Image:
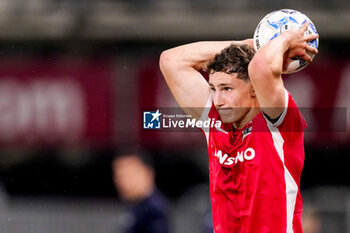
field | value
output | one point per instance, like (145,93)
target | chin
(227,120)
(232,118)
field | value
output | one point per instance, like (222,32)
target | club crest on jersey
(246,132)
(225,159)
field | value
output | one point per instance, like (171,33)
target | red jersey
(255,173)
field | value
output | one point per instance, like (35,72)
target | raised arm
(268,63)
(180,67)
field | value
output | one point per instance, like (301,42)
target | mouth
(225,111)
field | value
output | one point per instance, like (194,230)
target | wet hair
(233,59)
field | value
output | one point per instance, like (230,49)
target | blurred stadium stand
(152,19)
(75,77)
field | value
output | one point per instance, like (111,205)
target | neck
(253,111)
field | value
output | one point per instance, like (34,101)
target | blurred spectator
(208,223)
(311,220)
(133,177)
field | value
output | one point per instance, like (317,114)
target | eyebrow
(220,85)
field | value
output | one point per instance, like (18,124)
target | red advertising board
(55,101)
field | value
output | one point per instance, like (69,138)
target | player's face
(232,96)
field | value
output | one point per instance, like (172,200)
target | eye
(212,89)
(227,88)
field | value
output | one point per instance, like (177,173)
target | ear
(251,90)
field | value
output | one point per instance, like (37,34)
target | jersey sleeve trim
(206,110)
(205,116)
(283,114)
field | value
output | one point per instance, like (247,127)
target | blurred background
(75,77)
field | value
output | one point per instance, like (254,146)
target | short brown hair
(233,59)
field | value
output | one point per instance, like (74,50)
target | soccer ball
(273,24)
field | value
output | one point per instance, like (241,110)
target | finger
(305,26)
(307,57)
(311,49)
(311,37)
(205,66)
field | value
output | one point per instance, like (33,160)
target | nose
(218,99)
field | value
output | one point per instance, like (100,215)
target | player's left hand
(298,43)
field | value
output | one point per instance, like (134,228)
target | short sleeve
(205,116)
(291,120)
(206,110)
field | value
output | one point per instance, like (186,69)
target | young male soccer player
(256,157)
